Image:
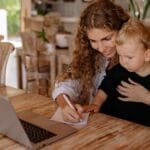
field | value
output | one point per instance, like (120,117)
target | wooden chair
(1,37)
(65,59)
(5,49)
(36,68)
(63,62)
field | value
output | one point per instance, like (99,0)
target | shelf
(36,23)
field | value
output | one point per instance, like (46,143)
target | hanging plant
(146,8)
(135,9)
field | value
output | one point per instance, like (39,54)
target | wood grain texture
(10,91)
(102,132)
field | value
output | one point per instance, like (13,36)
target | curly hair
(100,14)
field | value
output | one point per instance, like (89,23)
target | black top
(134,111)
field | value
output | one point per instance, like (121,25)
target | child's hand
(91,108)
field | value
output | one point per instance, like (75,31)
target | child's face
(132,55)
(103,41)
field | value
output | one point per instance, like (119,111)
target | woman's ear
(147,55)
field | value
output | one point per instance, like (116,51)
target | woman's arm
(71,89)
(134,92)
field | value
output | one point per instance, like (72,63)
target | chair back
(29,52)
(65,59)
(1,37)
(35,71)
(29,43)
(5,49)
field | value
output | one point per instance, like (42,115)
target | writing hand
(72,115)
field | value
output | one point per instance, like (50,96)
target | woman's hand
(91,108)
(72,115)
(133,92)
(69,114)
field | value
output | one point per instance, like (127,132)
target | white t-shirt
(72,87)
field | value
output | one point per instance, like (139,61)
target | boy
(133,48)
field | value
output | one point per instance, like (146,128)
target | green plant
(135,9)
(51,25)
(42,35)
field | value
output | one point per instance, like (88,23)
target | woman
(94,53)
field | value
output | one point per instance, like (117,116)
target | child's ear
(147,55)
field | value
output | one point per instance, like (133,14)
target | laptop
(30,129)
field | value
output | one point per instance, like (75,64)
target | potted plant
(136,11)
(51,26)
(42,35)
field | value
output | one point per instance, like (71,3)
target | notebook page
(58,117)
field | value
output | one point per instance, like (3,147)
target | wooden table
(10,91)
(102,132)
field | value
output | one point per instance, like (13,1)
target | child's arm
(97,102)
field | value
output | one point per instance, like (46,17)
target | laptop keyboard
(35,133)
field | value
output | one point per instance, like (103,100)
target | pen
(69,103)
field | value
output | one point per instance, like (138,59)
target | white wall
(3,23)
(69,9)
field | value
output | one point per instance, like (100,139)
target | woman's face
(103,41)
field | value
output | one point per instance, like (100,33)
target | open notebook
(58,117)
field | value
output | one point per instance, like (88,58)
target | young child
(133,48)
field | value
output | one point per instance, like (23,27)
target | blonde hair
(100,14)
(134,29)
